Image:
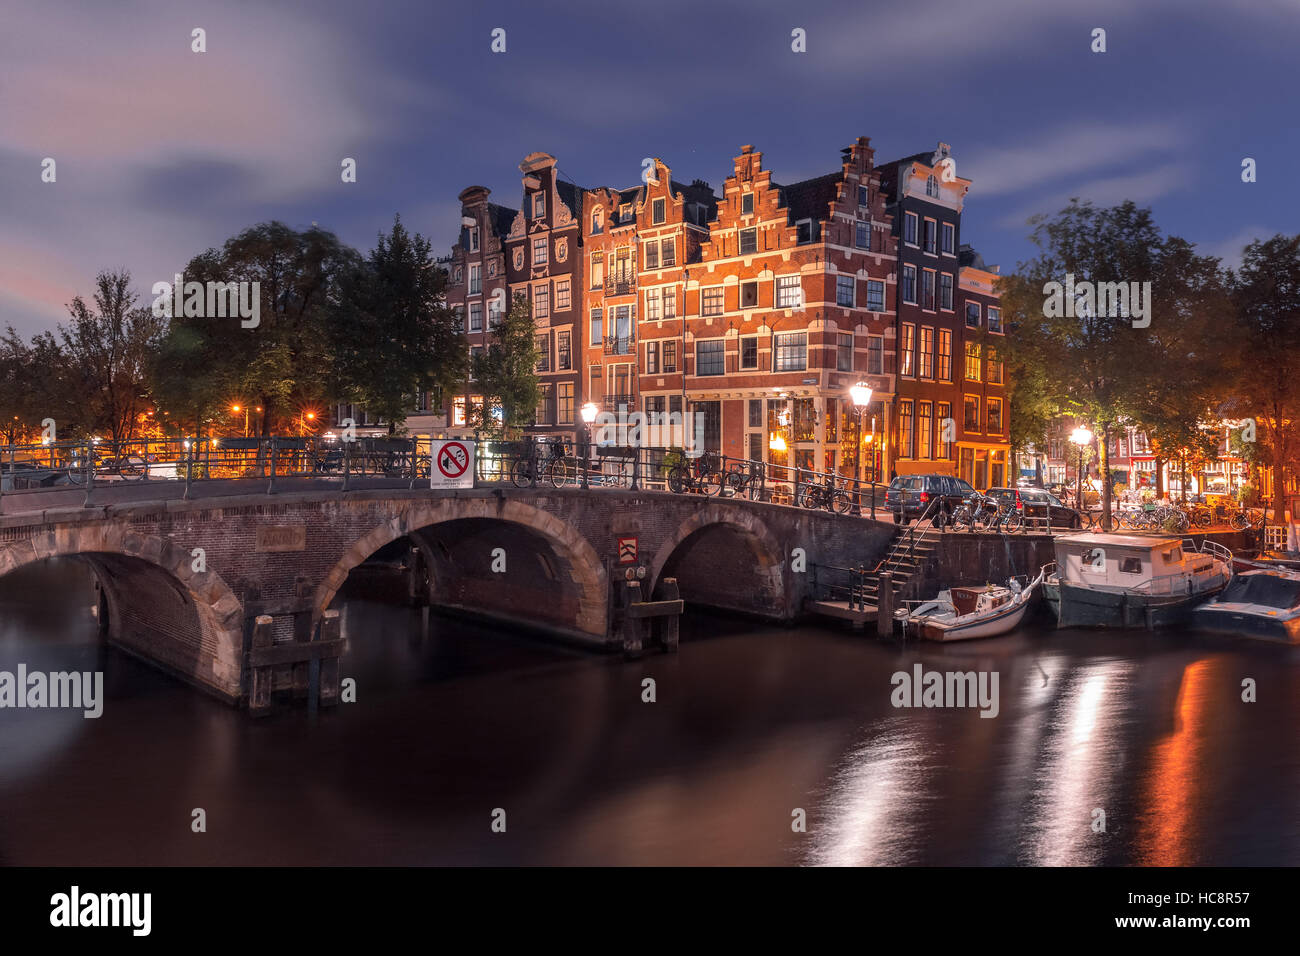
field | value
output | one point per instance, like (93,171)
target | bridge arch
(420,519)
(722,546)
(160,608)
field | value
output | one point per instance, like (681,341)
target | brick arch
(588,572)
(215,660)
(769,553)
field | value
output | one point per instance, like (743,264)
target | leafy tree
(506,373)
(391,335)
(1266,291)
(108,352)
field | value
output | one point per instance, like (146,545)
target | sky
(162,152)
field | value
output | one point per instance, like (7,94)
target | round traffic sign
(453,459)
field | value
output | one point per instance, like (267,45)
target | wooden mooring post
(259,697)
(885,605)
(323,649)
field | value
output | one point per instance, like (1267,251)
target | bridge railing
(101,463)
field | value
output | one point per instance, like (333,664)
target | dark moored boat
(1264,604)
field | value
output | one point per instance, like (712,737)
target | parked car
(1037,504)
(908,496)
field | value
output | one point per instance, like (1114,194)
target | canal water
(750,724)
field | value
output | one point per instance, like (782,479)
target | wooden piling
(633,642)
(259,698)
(670,625)
(885,605)
(329,630)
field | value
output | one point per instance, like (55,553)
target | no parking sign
(453,464)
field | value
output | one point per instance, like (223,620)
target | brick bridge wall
(560,549)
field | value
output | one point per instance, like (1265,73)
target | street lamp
(235,409)
(589,412)
(1082,437)
(861,395)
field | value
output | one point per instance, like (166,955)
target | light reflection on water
(751,723)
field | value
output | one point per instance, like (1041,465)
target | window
(597,222)
(789,292)
(597,270)
(971,421)
(458,411)
(545,413)
(875,355)
(657,212)
(711,301)
(625,212)
(456,275)
(652,305)
(946,431)
(1128,565)
(931,186)
(790,352)
(710,357)
(945,355)
(458,317)
(844,291)
(749,295)
(668,252)
(749,351)
(972,315)
(862,235)
(875,295)
(755,413)
(539,251)
(906,448)
(995,319)
(747,204)
(564,357)
(994,416)
(541,302)
(945,291)
(931,228)
(652,255)
(562,299)
(972,362)
(862,196)
(995,368)
(670,303)
(670,356)
(844,352)
(927,289)
(652,358)
(543,343)
(949,238)
(908,350)
(909,284)
(496,309)
(926,364)
(476,316)
(748,241)
(909,228)
(924,429)
(475,280)
(566,404)
(597,327)
(539,205)
(473,238)
(803,231)
(597,381)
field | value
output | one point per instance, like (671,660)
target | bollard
(885,605)
(259,698)
(329,630)
(671,624)
(633,644)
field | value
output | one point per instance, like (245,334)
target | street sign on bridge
(452,464)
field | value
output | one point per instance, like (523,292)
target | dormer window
(597,222)
(803,231)
(932,186)
(539,205)
(625,212)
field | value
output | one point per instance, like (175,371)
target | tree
(16,381)
(506,373)
(109,351)
(391,335)
(1266,290)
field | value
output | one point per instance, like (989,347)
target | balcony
(620,345)
(620,285)
(614,402)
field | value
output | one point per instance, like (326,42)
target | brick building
(982,449)
(788,307)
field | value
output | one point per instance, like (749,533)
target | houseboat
(1264,604)
(1132,580)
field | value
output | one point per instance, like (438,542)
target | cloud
(1142,187)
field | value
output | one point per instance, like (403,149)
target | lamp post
(236,410)
(1081,436)
(861,395)
(589,412)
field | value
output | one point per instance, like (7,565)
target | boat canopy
(1263,588)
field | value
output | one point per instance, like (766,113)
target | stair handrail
(910,536)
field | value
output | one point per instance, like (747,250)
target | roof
(570,195)
(810,198)
(501,218)
(1146,542)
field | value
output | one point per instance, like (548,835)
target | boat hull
(989,627)
(1090,607)
(1227,620)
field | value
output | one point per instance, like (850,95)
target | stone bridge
(182,581)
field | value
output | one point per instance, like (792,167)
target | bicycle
(702,477)
(1006,517)
(1244,518)
(557,470)
(826,495)
(747,482)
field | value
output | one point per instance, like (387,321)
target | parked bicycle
(557,470)
(701,476)
(746,481)
(826,494)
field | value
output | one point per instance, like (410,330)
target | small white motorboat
(960,614)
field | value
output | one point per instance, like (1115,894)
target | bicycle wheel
(1012,522)
(560,472)
(1239,521)
(736,481)
(711,483)
(841,503)
(961,516)
(520,474)
(132,468)
(1184,522)
(678,480)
